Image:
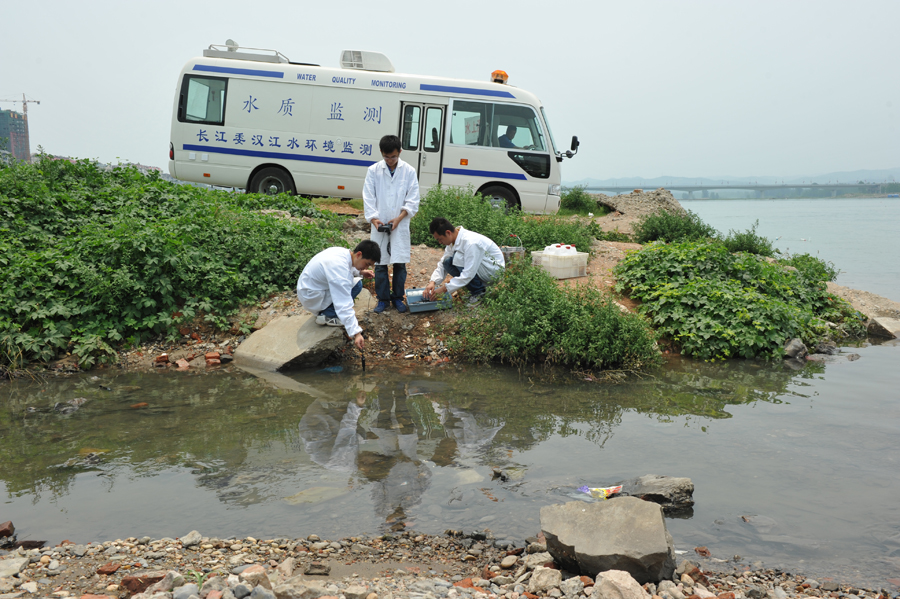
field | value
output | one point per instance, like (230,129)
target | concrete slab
(294,341)
(881,326)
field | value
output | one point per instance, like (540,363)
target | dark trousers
(329,311)
(383,287)
(475,286)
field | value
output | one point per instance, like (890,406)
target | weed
(812,267)
(91,257)
(526,318)
(577,200)
(664,226)
(748,241)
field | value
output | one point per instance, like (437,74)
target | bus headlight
(554,190)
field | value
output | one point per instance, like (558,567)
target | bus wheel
(499,197)
(271,181)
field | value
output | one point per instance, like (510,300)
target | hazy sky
(715,88)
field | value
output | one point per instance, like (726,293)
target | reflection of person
(506,139)
(330,443)
(470,258)
(400,478)
(464,436)
(327,285)
(391,195)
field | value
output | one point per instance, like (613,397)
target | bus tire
(271,181)
(497,192)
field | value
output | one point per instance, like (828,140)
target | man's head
(510,132)
(366,255)
(390,150)
(442,231)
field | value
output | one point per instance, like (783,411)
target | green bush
(664,226)
(527,318)
(578,200)
(812,268)
(463,207)
(90,257)
(748,241)
(717,305)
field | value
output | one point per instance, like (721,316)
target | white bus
(251,119)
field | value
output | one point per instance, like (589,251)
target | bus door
(422,139)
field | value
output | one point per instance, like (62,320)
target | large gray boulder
(623,533)
(675,494)
(295,341)
(881,326)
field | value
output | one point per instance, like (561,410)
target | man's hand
(429,290)
(396,222)
(359,342)
(369,274)
(377,222)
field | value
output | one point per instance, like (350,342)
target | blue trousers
(329,311)
(475,286)
(383,290)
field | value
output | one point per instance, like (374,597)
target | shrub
(748,241)
(812,268)
(527,318)
(91,257)
(578,200)
(664,226)
(718,305)
(463,207)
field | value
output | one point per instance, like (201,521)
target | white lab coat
(328,279)
(384,197)
(472,253)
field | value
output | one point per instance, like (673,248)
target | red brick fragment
(214,595)
(726,595)
(213,355)
(196,337)
(530,595)
(139,584)
(517,551)
(162,358)
(107,569)
(182,363)
(143,404)
(702,551)
(698,576)
(465,583)
(7,529)
(212,362)
(89,596)
(587,581)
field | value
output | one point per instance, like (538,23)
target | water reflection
(393,433)
(343,454)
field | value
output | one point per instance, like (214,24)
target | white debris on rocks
(642,203)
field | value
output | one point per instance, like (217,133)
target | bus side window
(202,100)
(409,140)
(433,128)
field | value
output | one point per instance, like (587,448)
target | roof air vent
(366,61)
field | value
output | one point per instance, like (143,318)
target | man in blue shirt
(506,140)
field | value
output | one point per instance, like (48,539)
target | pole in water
(363,356)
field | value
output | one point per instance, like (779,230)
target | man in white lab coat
(330,282)
(391,198)
(470,258)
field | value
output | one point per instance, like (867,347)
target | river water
(797,469)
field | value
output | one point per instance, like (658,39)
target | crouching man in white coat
(470,258)
(330,282)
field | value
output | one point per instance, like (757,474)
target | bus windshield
(549,130)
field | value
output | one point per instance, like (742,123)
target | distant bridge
(760,189)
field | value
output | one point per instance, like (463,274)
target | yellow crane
(24,104)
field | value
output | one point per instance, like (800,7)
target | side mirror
(574,150)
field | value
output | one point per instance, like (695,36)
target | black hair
(511,127)
(441,226)
(389,143)
(369,249)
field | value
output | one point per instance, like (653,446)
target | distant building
(14,135)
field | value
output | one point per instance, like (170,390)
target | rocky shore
(407,565)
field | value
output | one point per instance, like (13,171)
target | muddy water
(791,468)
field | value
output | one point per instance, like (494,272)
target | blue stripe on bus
(233,71)
(493,174)
(278,155)
(464,90)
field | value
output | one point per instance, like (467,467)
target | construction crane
(24,104)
